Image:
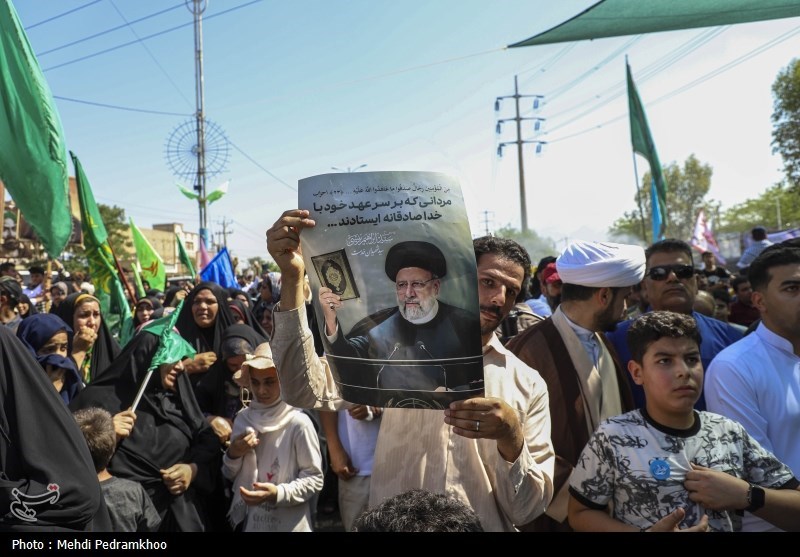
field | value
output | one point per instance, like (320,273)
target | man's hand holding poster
(393,275)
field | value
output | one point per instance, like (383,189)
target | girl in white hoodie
(274,458)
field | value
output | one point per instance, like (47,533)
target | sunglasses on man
(661,272)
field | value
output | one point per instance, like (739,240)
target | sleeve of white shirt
(525,486)
(309,464)
(306,379)
(731,392)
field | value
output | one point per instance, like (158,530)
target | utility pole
(225,231)
(197,7)
(537,125)
(486,221)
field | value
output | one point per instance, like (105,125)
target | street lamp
(359,167)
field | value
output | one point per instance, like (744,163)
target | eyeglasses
(415,285)
(662,272)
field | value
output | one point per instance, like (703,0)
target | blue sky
(303,86)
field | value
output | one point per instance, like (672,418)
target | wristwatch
(755,498)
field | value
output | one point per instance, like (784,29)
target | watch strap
(755,498)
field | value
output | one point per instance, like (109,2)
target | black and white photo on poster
(395,288)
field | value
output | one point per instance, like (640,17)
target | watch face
(755,498)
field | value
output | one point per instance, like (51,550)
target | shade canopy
(614,18)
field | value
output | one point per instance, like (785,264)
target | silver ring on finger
(477,425)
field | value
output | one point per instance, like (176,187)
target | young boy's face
(671,375)
(264,385)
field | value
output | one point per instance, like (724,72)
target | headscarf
(233,292)
(238,307)
(105,348)
(154,302)
(31,306)
(205,340)
(34,332)
(41,446)
(210,389)
(169,296)
(274,280)
(170,428)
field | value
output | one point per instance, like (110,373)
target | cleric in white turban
(601,264)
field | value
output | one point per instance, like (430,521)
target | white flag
(703,238)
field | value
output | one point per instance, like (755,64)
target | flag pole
(142,387)
(639,198)
(123,278)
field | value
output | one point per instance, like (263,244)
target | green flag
(643,144)
(172,347)
(137,279)
(152,266)
(217,193)
(108,288)
(33,156)
(187,193)
(186,261)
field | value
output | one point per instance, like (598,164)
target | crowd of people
(624,389)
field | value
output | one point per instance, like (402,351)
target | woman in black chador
(47,478)
(171,450)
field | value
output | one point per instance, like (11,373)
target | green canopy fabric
(614,18)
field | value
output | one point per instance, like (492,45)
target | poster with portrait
(394,283)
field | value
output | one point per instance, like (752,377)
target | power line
(255,162)
(164,32)
(107,31)
(733,63)
(73,10)
(647,72)
(565,87)
(117,107)
(251,233)
(163,71)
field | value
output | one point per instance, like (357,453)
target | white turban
(601,264)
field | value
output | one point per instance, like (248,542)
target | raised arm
(306,379)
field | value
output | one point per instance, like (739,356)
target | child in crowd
(667,467)
(129,506)
(274,459)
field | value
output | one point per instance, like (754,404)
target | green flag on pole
(151,264)
(643,144)
(108,288)
(33,156)
(137,280)
(172,347)
(185,260)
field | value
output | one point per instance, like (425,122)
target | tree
(536,245)
(786,120)
(687,187)
(763,210)
(117,227)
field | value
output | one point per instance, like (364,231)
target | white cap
(87,287)
(601,264)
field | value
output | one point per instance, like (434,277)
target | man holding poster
(492,451)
